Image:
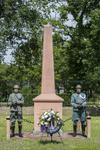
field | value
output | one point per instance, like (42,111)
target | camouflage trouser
(79,115)
(15,115)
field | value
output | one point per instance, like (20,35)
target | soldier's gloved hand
(75,105)
(80,106)
(14,102)
(84,104)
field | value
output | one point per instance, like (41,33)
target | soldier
(16,102)
(78,102)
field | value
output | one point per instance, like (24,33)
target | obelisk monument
(47,99)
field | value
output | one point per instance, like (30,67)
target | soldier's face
(78,90)
(16,90)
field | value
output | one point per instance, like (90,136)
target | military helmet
(16,86)
(78,86)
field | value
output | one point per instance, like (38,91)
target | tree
(82,56)
(76,39)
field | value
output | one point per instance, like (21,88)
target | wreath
(50,121)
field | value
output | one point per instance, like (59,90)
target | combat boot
(20,131)
(12,131)
(74,130)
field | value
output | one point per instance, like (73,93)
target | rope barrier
(67,119)
(28,121)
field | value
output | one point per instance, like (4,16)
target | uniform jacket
(78,101)
(16,101)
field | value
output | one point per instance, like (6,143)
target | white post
(8,127)
(88,126)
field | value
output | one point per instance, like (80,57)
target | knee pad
(12,124)
(75,122)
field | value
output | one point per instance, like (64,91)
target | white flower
(52,112)
(49,119)
(42,123)
(46,123)
(46,116)
(45,113)
(49,114)
(57,114)
(43,117)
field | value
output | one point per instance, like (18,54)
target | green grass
(69,144)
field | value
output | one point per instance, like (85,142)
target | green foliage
(76,44)
(28,96)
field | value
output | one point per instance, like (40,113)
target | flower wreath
(49,119)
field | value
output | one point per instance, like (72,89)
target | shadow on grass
(49,142)
(78,134)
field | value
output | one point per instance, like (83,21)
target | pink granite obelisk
(47,99)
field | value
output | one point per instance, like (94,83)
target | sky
(8,57)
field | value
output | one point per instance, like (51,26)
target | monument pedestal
(47,99)
(45,102)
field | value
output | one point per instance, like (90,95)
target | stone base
(44,102)
(44,138)
(38,136)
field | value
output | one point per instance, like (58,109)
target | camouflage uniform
(78,102)
(16,102)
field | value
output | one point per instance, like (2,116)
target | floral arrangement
(48,119)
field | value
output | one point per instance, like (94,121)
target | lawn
(69,144)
